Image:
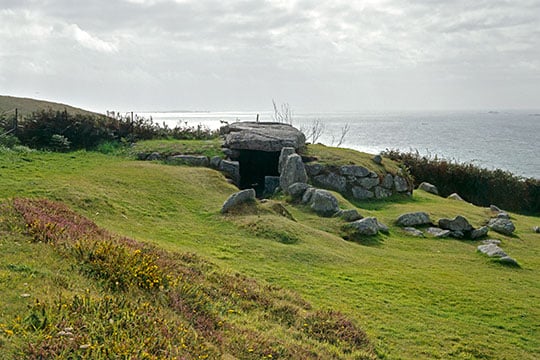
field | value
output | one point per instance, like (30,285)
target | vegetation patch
(477,185)
(155,304)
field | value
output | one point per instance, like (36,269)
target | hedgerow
(477,185)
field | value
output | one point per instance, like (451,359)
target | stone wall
(357,182)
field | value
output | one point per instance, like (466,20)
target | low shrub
(166,305)
(60,130)
(477,185)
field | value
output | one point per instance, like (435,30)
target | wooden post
(16,122)
(257,117)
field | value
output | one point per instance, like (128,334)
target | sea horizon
(492,139)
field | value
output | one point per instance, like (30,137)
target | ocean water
(507,140)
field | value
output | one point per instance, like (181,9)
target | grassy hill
(26,106)
(415,297)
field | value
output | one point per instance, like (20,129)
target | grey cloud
(335,50)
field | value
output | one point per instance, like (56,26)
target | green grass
(416,298)
(340,156)
(208,148)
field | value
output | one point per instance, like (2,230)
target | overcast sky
(239,55)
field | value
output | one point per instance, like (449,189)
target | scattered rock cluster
(491,248)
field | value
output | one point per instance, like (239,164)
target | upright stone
(283,155)
(292,172)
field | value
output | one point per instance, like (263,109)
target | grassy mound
(414,297)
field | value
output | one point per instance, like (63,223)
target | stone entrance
(255,165)
(256,146)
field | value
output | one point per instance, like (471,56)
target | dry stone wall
(357,181)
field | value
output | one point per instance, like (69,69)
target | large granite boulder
(502,226)
(263,136)
(364,227)
(331,181)
(459,223)
(293,171)
(413,219)
(360,193)
(323,202)
(238,198)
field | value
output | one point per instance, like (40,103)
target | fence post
(16,122)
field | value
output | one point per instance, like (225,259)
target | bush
(54,130)
(477,185)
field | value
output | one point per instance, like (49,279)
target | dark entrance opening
(254,166)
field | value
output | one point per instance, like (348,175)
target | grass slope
(415,297)
(26,106)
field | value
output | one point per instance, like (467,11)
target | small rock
(238,198)
(350,215)
(502,226)
(438,232)
(383,228)
(478,233)
(494,208)
(428,188)
(413,231)
(354,170)
(377,159)
(313,169)
(190,160)
(368,182)
(457,234)
(492,250)
(306,198)
(491,241)
(25,295)
(455,196)
(271,183)
(154,156)
(507,260)
(502,215)
(413,219)
(297,190)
